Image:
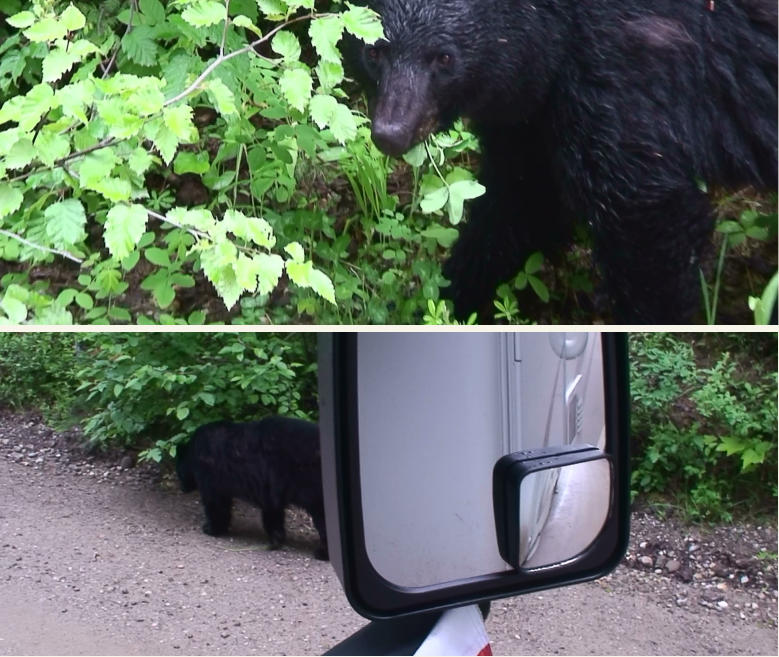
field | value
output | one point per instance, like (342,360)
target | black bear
(615,112)
(271,464)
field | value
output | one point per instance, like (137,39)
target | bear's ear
(463,467)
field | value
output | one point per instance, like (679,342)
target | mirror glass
(561,511)
(435,412)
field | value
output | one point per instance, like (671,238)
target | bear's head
(420,72)
(490,60)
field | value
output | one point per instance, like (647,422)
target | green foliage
(151,390)
(704,426)
(750,225)
(101,100)
(37,370)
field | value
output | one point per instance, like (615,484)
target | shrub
(150,391)
(704,421)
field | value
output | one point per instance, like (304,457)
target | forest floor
(99,556)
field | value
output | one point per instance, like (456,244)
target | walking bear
(271,464)
(615,113)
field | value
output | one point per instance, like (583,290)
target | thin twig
(223,58)
(107,68)
(57,163)
(224,29)
(40,247)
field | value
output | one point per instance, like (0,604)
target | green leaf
(124,226)
(539,288)
(140,160)
(179,120)
(534,262)
(245,22)
(322,285)
(202,13)
(363,23)
(73,19)
(200,218)
(121,123)
(252,229)
(50,147)
(750,457)
(273,9)
(20,155)
(157,256)
(10,199)
(299,272)
(46,29)
(730,445)
(56,63)
(218,262)
(13,303)
(66,223)
(295,251)
(325,32)
(75,98)
(221,96)
(166,142)
(140,46)
(187,162)
(296,86)
(435,200)
(153,10)
(269,269)
(329,74)
(287,45)
(441,234)
(342,124)
(84,300)
(21,20)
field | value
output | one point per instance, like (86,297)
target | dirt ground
(100,557)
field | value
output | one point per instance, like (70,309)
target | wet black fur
(610,112)
(271,464)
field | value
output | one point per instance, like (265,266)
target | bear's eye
(373,53)
(444,60)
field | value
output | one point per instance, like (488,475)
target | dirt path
(96,559)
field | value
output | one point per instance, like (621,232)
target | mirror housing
(376,412)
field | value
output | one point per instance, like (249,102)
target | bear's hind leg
(273,521)
(318,517)
(650,257)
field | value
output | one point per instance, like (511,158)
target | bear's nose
(391,138)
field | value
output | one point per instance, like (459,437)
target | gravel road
(101,559)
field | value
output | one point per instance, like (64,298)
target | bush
(37,370)
(157,156)
(704,421)
(150,391)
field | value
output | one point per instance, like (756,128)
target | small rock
(646,561)
(672,565)
(722,604)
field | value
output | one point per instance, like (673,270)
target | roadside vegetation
(704,414)
(204,161)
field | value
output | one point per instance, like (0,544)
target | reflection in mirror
(561,511)
(435,412)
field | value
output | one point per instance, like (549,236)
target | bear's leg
(273,521)
(318,517)
(518,214)
(649,253)
(217,509)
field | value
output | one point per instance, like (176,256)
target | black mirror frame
(374,597)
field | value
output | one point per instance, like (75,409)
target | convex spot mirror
(461,467)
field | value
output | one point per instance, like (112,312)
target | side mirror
(464,467)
